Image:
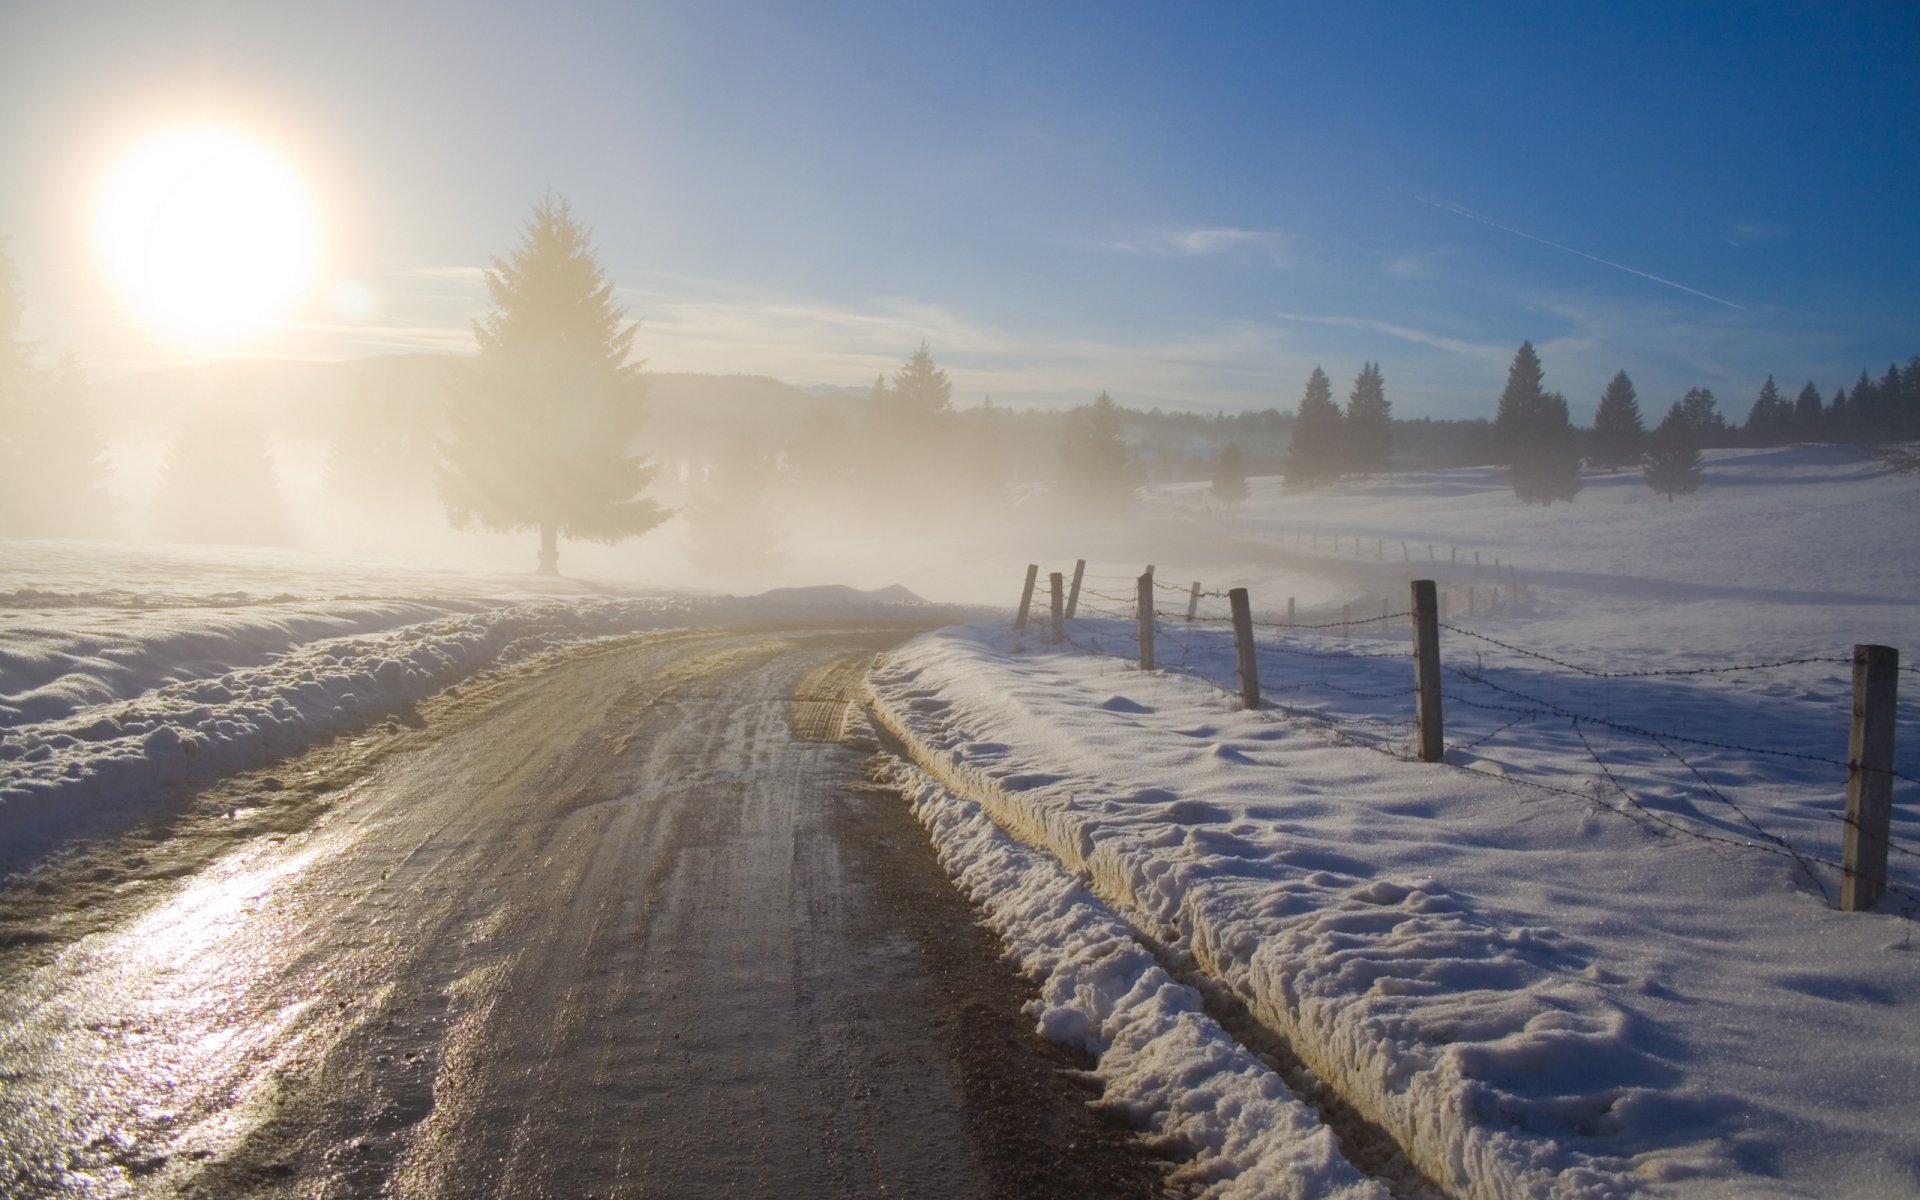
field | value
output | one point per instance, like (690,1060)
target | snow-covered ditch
(1619,982)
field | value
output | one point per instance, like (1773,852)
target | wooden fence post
(1383,610)
(1876,675)
(1059,588)
(1476,560)
(1346,619)
(1469,600)
(1243,647)
(1404,556)
(1443,606)
(1289,610)
(1426,670)
(1144,590)
(1430,557)
(1193,600)
(1026,597)
(1073,594)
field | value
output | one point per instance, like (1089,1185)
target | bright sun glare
(208,234)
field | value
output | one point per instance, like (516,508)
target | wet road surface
(631,925)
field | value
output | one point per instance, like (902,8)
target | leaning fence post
(1404,556)
(1193,600)
(1026,597)
(1145,592)
(1243,647)
(1876,674)
(1426,670)
(1058,586)
(1073,594)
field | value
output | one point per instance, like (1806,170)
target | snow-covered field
(128,672)
(1594,953)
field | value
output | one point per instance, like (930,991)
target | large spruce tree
(1315,454)
(543,422)
(1618,437)
(1369,424)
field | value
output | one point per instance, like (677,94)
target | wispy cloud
(1199,241)
(1481,351)
(1458,211)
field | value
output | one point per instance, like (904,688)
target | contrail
(1456,210)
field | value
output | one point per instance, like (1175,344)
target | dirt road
(628,925)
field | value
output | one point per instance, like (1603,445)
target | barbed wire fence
(1541,721)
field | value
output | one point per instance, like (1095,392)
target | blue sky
(1185,205)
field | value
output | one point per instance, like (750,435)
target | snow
(130,672)
(1572,960)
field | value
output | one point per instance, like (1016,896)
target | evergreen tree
(1522,397)
(1703,414)
(62,471)
(1369,424)
(1229,475)
(1534,436)
(1808,414)
(1618,436)
(542,424)
(1315,453)
(1673,455)
(733,530)
(18,382)
(1771,421)
(1549,465)
(220,482)
(1093,455)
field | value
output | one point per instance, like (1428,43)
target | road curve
(631,926)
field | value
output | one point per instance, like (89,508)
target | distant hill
(687,414)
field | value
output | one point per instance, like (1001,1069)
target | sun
(207,234)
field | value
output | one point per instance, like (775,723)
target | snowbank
(1573,960)
(127,673)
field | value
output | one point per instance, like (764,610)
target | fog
(768,485)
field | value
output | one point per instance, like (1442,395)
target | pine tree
(63,470)
(220,481)
(1369,424)
(1549,466)
(1229,475)
(1703,414)
(1093,455)
(1618,437)
(1521,397)
(18,381)
(733,531)
(1534,435)
(1315,452)
(1771,420)
(1673,455)
(1808,414)
(541,427)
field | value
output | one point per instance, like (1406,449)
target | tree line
(539,432)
